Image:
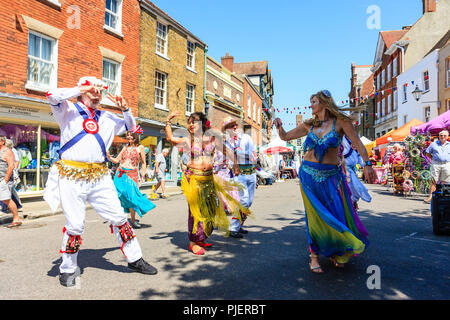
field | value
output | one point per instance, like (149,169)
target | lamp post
(417,93)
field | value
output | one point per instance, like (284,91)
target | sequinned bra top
(320,145)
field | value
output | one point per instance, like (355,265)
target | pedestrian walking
(160,171)
(333,226)
(204,191)
(439,153)
(15,176)
(128,179)
(82,175)
(7,181)
(244,150)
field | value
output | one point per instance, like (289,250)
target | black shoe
(68,279)
(243,231)
(136,224)
(142,266)
(236,235)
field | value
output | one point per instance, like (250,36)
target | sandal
(14,224)
(337,264)
(316,269)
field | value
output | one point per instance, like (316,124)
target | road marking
(411,236)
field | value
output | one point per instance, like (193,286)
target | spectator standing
(439,152)
(160,171)
(6,181)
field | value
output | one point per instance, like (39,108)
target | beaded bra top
(320,145)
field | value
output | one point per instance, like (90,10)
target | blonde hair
(327,100)
(9,143)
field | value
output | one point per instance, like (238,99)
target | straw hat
(227,121)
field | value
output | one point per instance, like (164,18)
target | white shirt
(71,123)
(244,148)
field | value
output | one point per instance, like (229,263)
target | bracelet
(126,110)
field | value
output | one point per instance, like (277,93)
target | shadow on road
(272,264)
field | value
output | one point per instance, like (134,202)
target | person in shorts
(439,152)
(160,171)
(7,181)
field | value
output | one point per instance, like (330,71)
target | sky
(309,45)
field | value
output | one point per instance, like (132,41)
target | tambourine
(415,174)
(406,174)
(407,185)
(425,174)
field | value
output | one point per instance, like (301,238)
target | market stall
(434,126)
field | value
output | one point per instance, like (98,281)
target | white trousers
(246,196)
(103,198)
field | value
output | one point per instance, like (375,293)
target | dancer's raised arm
(298,132)
(169,136)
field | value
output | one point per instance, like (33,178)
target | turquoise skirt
(129,195)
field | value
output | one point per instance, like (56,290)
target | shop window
(33,145)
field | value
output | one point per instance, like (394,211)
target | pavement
(34,208)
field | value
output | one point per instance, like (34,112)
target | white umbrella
(365,141)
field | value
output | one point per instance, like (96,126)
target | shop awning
(434,126)
(119,140)
(399,134)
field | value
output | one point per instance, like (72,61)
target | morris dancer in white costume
(81,173)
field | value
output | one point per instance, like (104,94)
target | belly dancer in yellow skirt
(205,192)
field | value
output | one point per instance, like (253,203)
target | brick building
(362,95)
(398,51)
(171,78)
(47,44)
(224,93)
(387,66)
(260,80)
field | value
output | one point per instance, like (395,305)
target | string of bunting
(300,110)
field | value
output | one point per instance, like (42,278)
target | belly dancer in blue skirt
(333,226)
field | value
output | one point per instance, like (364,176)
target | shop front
(154,140)
(30,125)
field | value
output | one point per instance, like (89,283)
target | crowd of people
(218,181)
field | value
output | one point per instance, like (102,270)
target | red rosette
(90,126)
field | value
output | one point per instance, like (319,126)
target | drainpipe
(205,50)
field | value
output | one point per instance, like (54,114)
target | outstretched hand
(278,123)
(173,114)
(119,101)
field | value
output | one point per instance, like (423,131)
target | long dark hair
(136,136)
(199,116)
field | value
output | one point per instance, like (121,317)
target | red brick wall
(78,49)
(387,59)
(248,90)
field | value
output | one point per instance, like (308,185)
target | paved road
(271,263)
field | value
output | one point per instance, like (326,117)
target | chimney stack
(228,62)
(429,6)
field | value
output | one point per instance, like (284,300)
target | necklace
(320,122)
